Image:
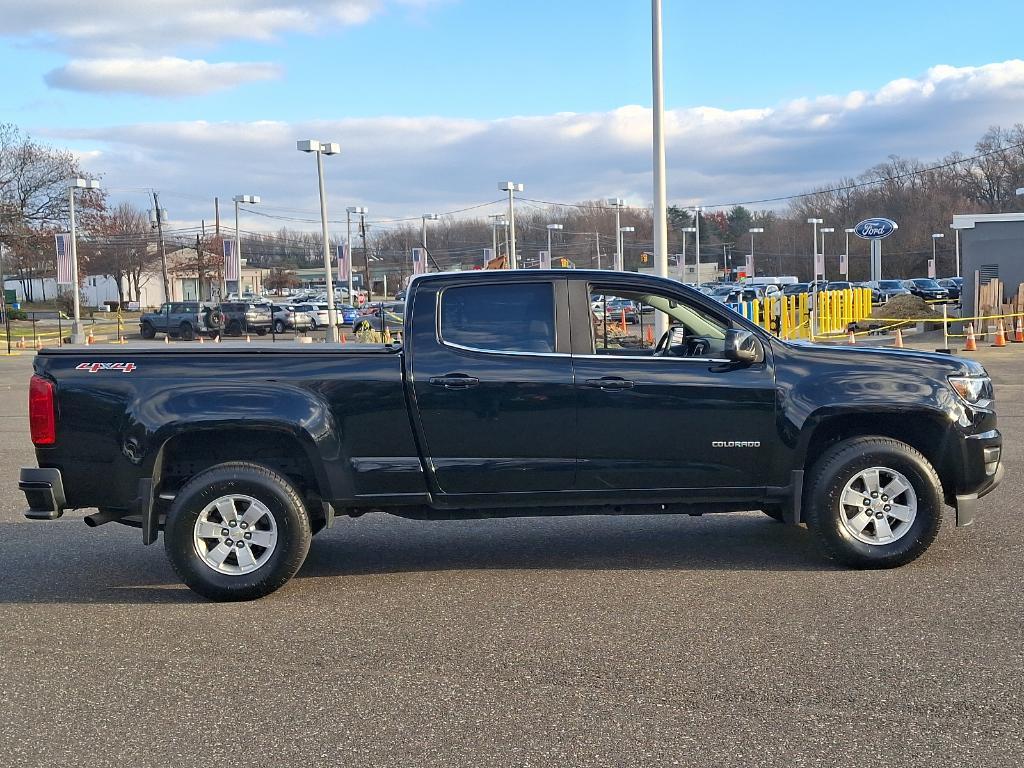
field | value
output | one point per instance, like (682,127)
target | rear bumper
(44,491)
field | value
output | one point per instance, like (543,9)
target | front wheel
(237,531)
(147,331)
(186,332)
(874,502)
(279,326)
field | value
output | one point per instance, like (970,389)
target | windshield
(925,283)
(889,285)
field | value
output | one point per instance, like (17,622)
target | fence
(52,329)
(809,316)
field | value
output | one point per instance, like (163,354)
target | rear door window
(516,317)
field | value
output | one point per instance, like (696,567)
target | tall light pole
(320,148)
(427,217)
(696,274)
(617,203)
(358,211)
(622,244)
(660,194)
(936,236)
(511,187)
(815,222)
(77,337)
(240,200)
(849,231)
(753,231)
(552,228)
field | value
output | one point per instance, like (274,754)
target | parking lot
(629,641)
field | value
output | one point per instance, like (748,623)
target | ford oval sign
(875,229)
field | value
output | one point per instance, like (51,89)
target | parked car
(926,288)
(838,285)
(184,319)
(288,318)
(613,309)
(241,317)
(794,288)
(883,290)
(745,293)
(954,285)
(493,407)
(393,313)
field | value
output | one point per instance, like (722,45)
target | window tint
(503,318)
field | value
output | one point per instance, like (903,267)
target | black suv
(246,317)
(926,288)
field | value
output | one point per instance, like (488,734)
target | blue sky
(92,75)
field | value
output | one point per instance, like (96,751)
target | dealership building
(991,247)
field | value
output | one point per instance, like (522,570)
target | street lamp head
(815,221)
(627,229)
(756,230)
(849,230)
(430,217)
(330,148)
(824,230)
(688,229)
(252,199)
(511,186)
(937,235)
(616,202)
(357,210)
(79,183)
(555,226)
(309,145)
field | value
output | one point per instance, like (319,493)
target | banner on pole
(343,262)
(545,259)
(488,256)
(819,265)
(64,267)
(844,265)
(230,262)
(749,262)
(419,261)
(931,268)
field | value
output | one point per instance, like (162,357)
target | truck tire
(234,328)
(218,517)
(279,326)
(147,331)
(874,502)
(187,332)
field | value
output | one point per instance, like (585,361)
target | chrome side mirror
(742,346)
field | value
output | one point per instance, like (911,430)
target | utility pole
(597,248)
(158,214)
(216,211)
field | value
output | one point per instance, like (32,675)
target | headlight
(973,389)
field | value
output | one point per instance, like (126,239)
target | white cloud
(116,28)
(406,165)
(166,76)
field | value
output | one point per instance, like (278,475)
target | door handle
(610,384)
(454,381)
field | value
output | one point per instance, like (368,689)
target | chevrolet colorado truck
(509,395)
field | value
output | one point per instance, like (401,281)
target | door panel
(493,421)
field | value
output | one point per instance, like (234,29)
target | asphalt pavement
(724,640)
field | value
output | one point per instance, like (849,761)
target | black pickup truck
(511,395)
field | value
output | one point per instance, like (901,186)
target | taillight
(41,416)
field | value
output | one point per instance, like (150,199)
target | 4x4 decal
(97,367)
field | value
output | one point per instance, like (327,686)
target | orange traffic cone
(899,339)
(971,345)
(851,338)
(650,335)
(1018,331)
(201,341)
(167,339)
(248,339)
(1000,340)
(217,339)
(623,320)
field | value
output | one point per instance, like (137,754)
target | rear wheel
(237,531)
(261,331)
(279,326)
(186,331)
(874,503)
(234,328)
